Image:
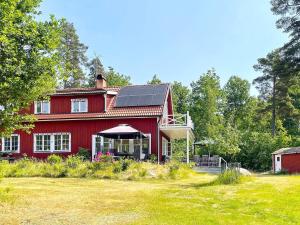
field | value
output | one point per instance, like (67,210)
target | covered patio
(122,141)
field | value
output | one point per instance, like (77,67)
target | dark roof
(283,151)
(142,95)
(78,91)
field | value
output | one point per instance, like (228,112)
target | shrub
(74,161)
(54,159)
(53,170)
(84,154)
(153,158)
(229,176)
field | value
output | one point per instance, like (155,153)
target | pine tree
(95,67)
(73,56)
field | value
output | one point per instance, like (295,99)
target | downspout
(105,99)
(158,138)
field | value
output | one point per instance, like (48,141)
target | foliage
(155,80)
(54,159)
(237,94)
(73,56)
(116,79)
(29,61)
(84,154)
(95,68)
(106,168)
(180,97)
(256,149)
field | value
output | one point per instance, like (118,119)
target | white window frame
(10,151)
(165,146)
(42,102)
(52,142)
(79,100)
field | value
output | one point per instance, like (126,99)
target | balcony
(177,120)
(179,127)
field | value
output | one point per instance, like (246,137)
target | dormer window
(79,105)
(42,107)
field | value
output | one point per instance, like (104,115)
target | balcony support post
(187,147)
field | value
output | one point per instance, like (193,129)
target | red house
(72,118)
(286,159)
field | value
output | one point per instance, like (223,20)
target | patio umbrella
(123,131)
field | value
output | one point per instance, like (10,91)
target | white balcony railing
(178,120)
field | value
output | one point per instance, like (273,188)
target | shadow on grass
(197,186)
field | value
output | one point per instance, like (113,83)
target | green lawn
(263,200)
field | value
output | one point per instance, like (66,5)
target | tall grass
(106,168)
(229,176)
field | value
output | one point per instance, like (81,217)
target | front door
(277,163)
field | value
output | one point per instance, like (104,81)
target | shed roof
(290,150)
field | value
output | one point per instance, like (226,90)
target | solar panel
(143,95)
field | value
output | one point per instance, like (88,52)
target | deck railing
(178,120)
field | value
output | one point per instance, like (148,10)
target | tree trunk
(274,107)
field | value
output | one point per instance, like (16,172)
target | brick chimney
(100,81)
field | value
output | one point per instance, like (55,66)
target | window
(11,144)
(58,142)
(42,107)
(165,145)
(278,158)
(79,105)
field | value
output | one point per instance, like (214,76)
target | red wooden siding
(82,131)
(62,104)
(290,163)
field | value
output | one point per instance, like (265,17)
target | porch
(122,141)
(179,126)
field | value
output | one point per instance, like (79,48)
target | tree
(180,97)
(95,66)
(73,56)
(205,99)
(29,61)
(114,78)
(289,23)
(237,94)
(274,85)
(155,80)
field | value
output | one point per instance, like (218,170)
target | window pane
(98,144)
(6,144)
(75,106)
(46,107)
(39,143)
(125,145)
(83,106)
(57,142)
(38,107)
(47,143)
(145,146)
(65,142)
(14,143)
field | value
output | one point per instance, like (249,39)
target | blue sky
(178,40)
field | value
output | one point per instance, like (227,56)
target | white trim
(44,101)
(150,139)
(3,144)
(79,108)
(165,141)
(112,92)
(95,118)
(52,142)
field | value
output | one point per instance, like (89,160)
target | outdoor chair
(204,160)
